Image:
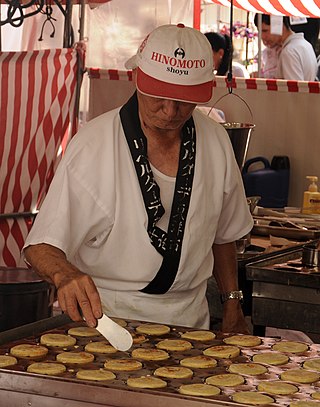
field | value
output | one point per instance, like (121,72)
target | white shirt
(94,212)
(297,60)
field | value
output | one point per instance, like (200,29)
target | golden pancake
(271,358)
(277,387)
(83,331)
(290,347)
(200,362)
(225,379)
(300,376)
(303,403)
(312,364)
(75,357)
(6,360)
(47,368)
(252,369)
(199,389)
(174,344)
(146,382)
(119,321)
(316,395)
(173,372)
(251,397)
(59,340)
(138,338)
(153,329)
(100,347)
(150,354)
(122,364)
(222,352)
(95,374)
(199,335)
(243,340)
(29,351)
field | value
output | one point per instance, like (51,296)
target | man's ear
(134,76)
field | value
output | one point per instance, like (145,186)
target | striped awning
(297,8)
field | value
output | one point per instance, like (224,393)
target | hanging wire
(229,75)
(48,13)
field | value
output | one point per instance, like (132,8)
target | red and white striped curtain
(296,8)
(37,117)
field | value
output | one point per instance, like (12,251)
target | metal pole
(259,43)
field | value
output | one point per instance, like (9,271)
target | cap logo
(179,53)
(177,64)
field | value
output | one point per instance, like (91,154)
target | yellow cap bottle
(311,198)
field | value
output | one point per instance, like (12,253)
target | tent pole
(196,14)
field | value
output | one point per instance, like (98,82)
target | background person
(297,59)
(221,50)
(148,199)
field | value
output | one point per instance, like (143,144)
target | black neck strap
(168,244)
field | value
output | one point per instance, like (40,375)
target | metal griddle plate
(17,384)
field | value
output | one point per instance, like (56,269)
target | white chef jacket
(94,212)
(297,60)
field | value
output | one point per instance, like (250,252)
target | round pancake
(146,382)
(198,362)
(83,331)
(290,347)
(199,389)
(271,358)
(150,354)
(153,329)
(29,351)
(173,372)
(225,379)
(47,368)
(303,403)
(100,347)
(75,357)
(6,360)
(299,376)
(252,369)
(243,340)
(174,344)
(277,387)
(222,352)
(59,340)
(122,364)
(119,321)
(95,374)
(138,338)
(198,335)
(312,364)
(251,397)
(316,395)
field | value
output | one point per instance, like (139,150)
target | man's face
(268,39)
(163,114)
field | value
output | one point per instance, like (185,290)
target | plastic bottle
(311,198)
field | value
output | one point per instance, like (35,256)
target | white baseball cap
(174,62)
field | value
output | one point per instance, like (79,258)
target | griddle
(285,294)
(20,388)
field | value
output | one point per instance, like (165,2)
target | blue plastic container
(270,182)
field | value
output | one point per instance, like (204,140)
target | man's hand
(77,293)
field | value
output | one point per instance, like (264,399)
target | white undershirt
(166,185)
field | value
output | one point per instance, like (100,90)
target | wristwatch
(232,295)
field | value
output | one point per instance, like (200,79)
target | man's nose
(170,107)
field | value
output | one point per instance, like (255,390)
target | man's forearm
(47,261)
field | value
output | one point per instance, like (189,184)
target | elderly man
(148,199)
(296,58)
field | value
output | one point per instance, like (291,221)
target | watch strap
(232,295)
